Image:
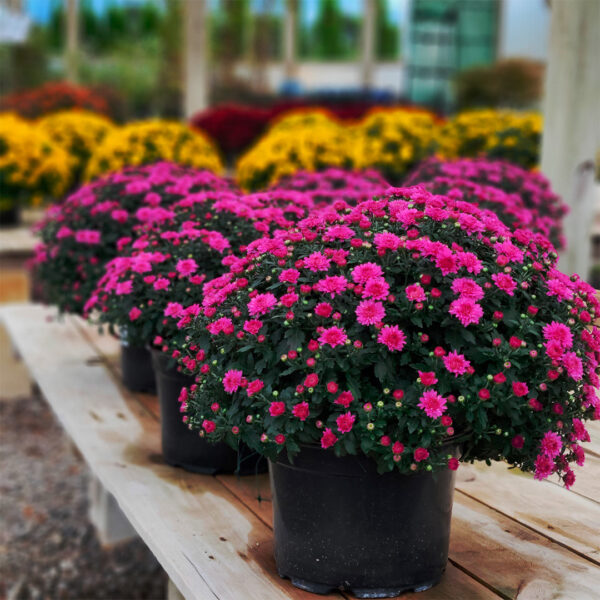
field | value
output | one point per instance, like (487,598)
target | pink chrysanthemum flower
(559,289)
(505,283)
(466,311)
(334,284)
(387,241)
(252,326)
(456,363)
(261,304)
(544,467)
(135,313)
(317,262)
(446,261)
(345,422)
(573,364)
(174,309)
(392,337)
(334,336)
(558,332)
(328,438)
(467,288)
(362,273)
(377,288)
(186,267)
(369,312)
(415,293)
(232,380)
(432,403)
(551,444)
(470,262)
(289,275)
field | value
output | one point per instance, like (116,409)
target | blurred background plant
(509,83)
(32,167)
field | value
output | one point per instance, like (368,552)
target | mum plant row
(365,339)
(390,140)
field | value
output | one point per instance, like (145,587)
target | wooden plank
(209,543)
(587,483)
(553,511)
(515,561)
(109,349)
(593,446)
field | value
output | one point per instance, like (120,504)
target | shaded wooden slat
(515,561)
(551,510)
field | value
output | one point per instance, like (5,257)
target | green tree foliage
(387,34)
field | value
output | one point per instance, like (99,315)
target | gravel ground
(48,547)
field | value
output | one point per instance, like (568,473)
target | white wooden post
(289,38)
(196,57)
(572,121)
(105,514)
(72,24)
(368,42)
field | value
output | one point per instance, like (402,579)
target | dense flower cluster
(508,207)
(392,328)
(333,185)
(146,142)
(546,208)
(394,141)
(139,290)
(309,141)
(82,234)
(78,132)
(143,288)
(54,96)
(32,166)
(497,134)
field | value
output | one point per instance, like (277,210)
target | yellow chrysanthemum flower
(302,141)
(504,134)
(154,140)
(31,164)
(394,140)
(78,132)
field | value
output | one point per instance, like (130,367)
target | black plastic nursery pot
(136,368)
(338,524)
(184,448)
(10,216)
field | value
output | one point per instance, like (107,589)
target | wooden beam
(572,121)
(196,57)
(368,43)
(289,38)
(72,36)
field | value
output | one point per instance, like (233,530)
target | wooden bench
(512,537)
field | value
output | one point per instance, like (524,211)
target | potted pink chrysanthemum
(367,353)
